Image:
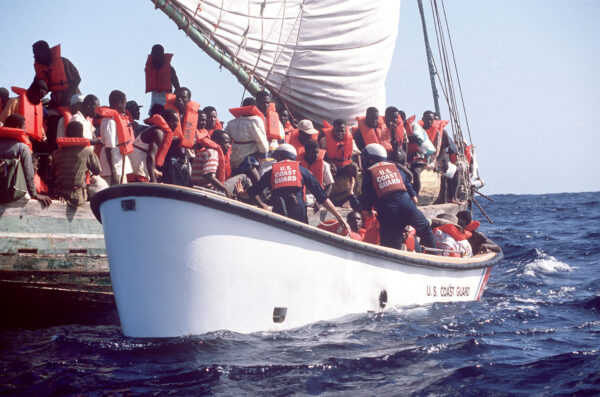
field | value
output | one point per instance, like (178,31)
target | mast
(429,59)
(185,23)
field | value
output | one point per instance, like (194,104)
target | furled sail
(325,59)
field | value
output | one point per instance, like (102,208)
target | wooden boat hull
(187,262)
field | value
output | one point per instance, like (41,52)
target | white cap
(288,150)
(77,98)
(375,149)
(307,127)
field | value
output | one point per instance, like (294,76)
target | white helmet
(285,151)
(375,151)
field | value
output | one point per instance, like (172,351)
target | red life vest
(218,126)
(468,154)
(386,178)
(295,141)
(437,125)
(272,123)
(316,168)
(70,141)
(17,134)
(187,134)
(380,134)
(246,111)
(65,111)
(333,226)
(34,114)
(371,225)
(472,226)
(54,75)
(339,152)
(161,153)
(124,130)
(224,166)
(286,173)
(40,185)
(410,240)
(203,139)
(454,232)
(158,79)
(287,129)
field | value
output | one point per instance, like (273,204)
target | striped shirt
(205,162)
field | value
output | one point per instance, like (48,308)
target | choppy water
(536,332)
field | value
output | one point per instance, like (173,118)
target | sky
(529,69)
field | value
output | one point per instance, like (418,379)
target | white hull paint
(180,267)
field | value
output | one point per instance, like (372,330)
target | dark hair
(41,45)
(311,143)
(90,98)
(15,120)
(218,135)
(115,97)
(402,115)
(262,94)
(339,121)
(74,129)
(390,110)
(372,109)
(249,102)
(464,218)
(3,93)
(427,113)
(209,109)
(158,49)
(180,89)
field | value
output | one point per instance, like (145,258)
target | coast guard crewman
(386,188)
(287,181)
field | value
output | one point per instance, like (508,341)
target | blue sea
(535,332)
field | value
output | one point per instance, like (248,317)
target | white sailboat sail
(325,59)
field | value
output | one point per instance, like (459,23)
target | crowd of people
(70,147)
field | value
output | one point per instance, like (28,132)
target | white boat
(184,261)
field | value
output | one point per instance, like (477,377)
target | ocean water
(535,332)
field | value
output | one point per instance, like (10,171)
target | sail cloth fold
(326,59)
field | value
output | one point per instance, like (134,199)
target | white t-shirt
(88,128)
(108,134)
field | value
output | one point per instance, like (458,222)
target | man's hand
(45,200)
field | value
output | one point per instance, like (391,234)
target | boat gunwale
(219,202)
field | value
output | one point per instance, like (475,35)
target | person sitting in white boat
(355,222)
(287,181)
(249,139)
(16,166)
(212,120)
(450,236)
(117,137)
(312,158)
(480,244)
(211,168)
(161,77)
(73,163)
(387,189)
(151,146)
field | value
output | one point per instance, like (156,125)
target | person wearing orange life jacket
(304,133)
(250,144)
(284,119)
(395,131)
(67,115)
(312,158)
(74,162)
(287,181)
(151,146)
(480,244)
(450,236)
(212,170)
(273,126)
(212,120)
(371,129)
(177,167)
(29,105)
(387,189)
(117,137)
(161,77)
(16,163)
(58,72)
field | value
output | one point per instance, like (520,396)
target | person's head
(76,103)
(428,119)
(285,151)
(263,100)
(157,55)
(171,118)
(182,97)
(436,116)
(41,52)
(284,116)
(202,120)
(355,221)
(74,130)
(3,94)
(90,103)
(249,101)
(374,153)
(36,91)
(372,117)
(391,115)
(306,131)
(402,115)
(311,151)
(157,108)
(134,109)
(222,139)
(464,218)
(339,129)
(211,117)
(15,120)
(117,101)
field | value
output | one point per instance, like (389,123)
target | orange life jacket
(224,166)
(371,225)
(380,134)
(272,123)
(246,111)
(338,152)
(70,141)
(454,232)
(54,75)
(317,166)
(295,141)
(286,173)
(218,126)
(472,226)
(124,130)
(386,178)
(333,226)
(34,114)
(287,129)
(158,79)
(17,134)
(437,125)
(203,138)
(468,155)
(187,134)
(161,153)
(65,111)
(410,240)
(40,185)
